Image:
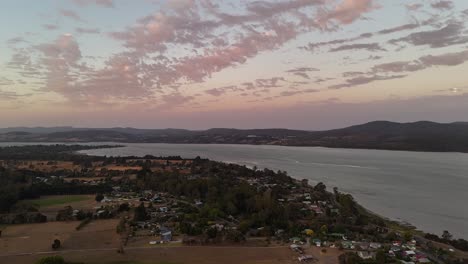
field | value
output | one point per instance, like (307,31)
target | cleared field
(41,165)
(119,168)
(139,262)
(172,255)
(33,238)
(47,201)
(97,243)
(50,205)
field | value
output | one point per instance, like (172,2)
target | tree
(65,214)
(324,229)
(140,213)
(235,236)
(309,232)
(56,244)
(446,235)
(99,197)
(320,187)
(212,232)
(381,257)
(122,226)
(407,236)
(124,207)
(349,258)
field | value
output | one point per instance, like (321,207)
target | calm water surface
(428,190)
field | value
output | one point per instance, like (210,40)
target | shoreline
(229,144)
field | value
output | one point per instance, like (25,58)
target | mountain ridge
(418,136)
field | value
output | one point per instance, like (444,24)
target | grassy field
(139,262)
(58,200)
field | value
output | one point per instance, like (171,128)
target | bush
(235,236)
(56,244)
(51,260)
(99,197)
(124,207)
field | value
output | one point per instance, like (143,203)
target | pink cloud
(350,10)
(414,6)
(207,41)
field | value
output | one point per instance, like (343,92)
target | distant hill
(420,136)
(417,136)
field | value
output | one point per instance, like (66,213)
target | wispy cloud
(104,3)
(88,30)
(451,34)
(442,4)
(360,46)
(70,14)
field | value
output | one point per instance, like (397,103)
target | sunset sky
(306,64)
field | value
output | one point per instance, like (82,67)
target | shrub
(99,197)
(51,260)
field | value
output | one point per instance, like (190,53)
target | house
(317,210)
(166,234)
(100,212)
(375,245)
(395,249)
(296,248)
(366,255)
(364,246)
(296,240)
(154,214)
(347,245)
(279,232)
(219,227)
(305,258)
(424,260)
(142,224)
(317,242)
(337,235)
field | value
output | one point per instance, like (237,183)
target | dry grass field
(173,255)
(41,165)
(30,238)
(50,205)
(97,243)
